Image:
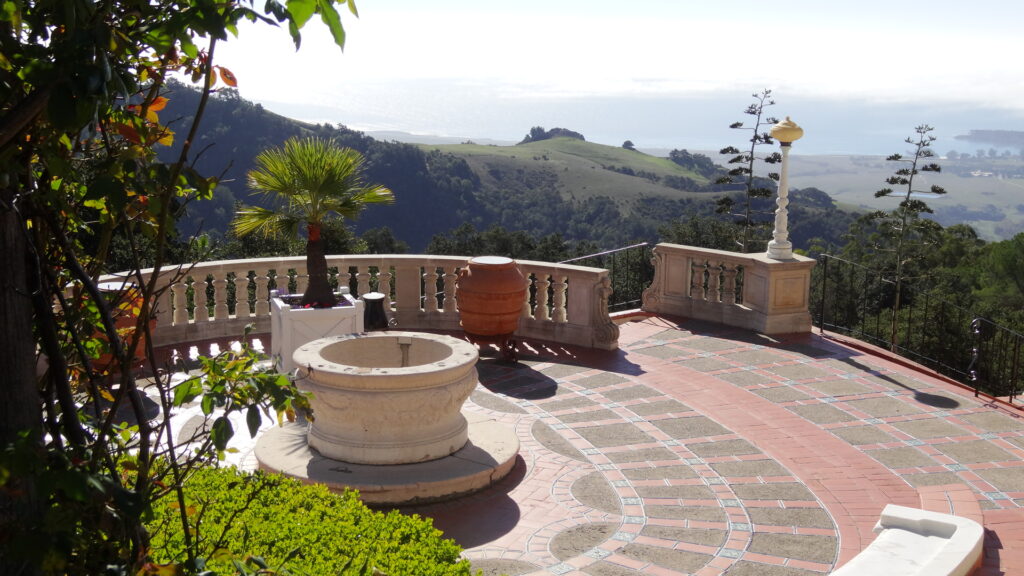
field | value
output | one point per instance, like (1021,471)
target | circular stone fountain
(389,420)
(387,398)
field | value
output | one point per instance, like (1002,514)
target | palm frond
(265,221)
(313,179)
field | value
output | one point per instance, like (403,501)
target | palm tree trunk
(319,293)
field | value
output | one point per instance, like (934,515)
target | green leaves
(83,83)
(230,383)
(331,18)
(301,11)
(221,432)
(253,419)
(274,525)
(187,391)
(67,109)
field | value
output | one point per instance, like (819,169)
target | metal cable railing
(630,270)
(997,359)
(851,299)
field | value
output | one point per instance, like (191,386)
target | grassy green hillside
(577,170)
(611,196)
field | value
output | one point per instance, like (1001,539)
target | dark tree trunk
(318,293)
(20,410)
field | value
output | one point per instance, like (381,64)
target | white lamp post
(780,248)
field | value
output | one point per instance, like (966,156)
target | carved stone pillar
(242,295)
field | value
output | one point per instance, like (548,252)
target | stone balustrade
(750,291)
(216,300)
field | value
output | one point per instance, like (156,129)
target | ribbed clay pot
(490,293)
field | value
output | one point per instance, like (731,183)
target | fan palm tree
(310,180)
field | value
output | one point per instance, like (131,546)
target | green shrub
(311,530)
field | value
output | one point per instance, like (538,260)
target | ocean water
(474,111)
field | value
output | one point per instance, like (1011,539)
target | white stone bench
(921,543)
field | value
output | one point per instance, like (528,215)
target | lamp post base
(780,250)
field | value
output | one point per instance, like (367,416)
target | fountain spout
(404,342)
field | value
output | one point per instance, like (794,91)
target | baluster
(714,282)
(384,285)
(242,295)
(430,289)
(558,310)
(729,289)
(363,279)
(344,278)
(220,297)
(525,311)
(540,311)
(178,289)
(450,278)
(200,314)
(262,294)
(697,280)
(301,281)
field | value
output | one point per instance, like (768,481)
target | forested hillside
(605,196)
(234,131)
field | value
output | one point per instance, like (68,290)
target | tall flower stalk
(904,230)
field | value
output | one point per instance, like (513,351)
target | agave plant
(309,181)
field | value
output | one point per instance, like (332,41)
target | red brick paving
(851,485)
(518,518)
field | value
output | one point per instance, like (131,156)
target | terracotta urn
(490,292)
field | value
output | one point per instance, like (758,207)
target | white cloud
(523,51)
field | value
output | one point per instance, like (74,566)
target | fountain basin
(387,397)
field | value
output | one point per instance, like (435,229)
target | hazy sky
(455,65)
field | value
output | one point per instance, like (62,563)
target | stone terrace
(702,449)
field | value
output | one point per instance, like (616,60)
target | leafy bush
(235,515)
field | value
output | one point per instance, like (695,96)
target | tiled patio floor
(698,449)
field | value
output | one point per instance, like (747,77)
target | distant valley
(607,196)
(987,192)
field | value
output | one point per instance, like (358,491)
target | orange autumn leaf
(158,104)
(166,137)
(129,133)
(228,77)
(150,112)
